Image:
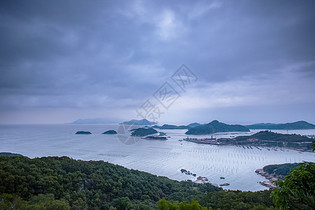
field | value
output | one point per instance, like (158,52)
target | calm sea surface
(163,158)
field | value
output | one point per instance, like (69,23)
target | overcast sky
(64,60)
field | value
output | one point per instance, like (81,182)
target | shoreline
(271,179)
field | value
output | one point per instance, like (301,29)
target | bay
(164,158)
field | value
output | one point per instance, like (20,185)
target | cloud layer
(79,59)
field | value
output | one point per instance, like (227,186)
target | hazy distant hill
(167,126)
(90,121)
(285,126)
(214,127)
(9,154)
(139,122)
(193,125)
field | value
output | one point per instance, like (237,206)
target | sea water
(164,158)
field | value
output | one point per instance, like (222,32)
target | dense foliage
(39,202)
(61,182)
(297,191)
(167,205)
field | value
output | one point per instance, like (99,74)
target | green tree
(297,191)
(167,205)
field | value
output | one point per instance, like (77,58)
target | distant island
(214,127)
(299,125)
(139,122)
(110,132)
(262,138)
(206,128)
(143,131)
(155,138)
(83,132)
(167,126)
(271,139)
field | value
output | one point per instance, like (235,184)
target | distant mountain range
(214,127)
(285,126)
(221,127)
(207,128)
(139,122)
(90,121)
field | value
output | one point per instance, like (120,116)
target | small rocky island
(111,132)
(143,131)
(155,138)
(83,132)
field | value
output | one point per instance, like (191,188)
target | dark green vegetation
(139,122)
(9,154)
(280,170)
(285,126)
(110,132)
(61,182)
(214,127)
(38,202)
(268,138)
(164,204)
(297,191)
(83,132)
(143,131)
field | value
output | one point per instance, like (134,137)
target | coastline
(270,177)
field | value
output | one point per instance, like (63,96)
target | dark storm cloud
(117,53)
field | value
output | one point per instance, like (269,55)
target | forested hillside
(63,183)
